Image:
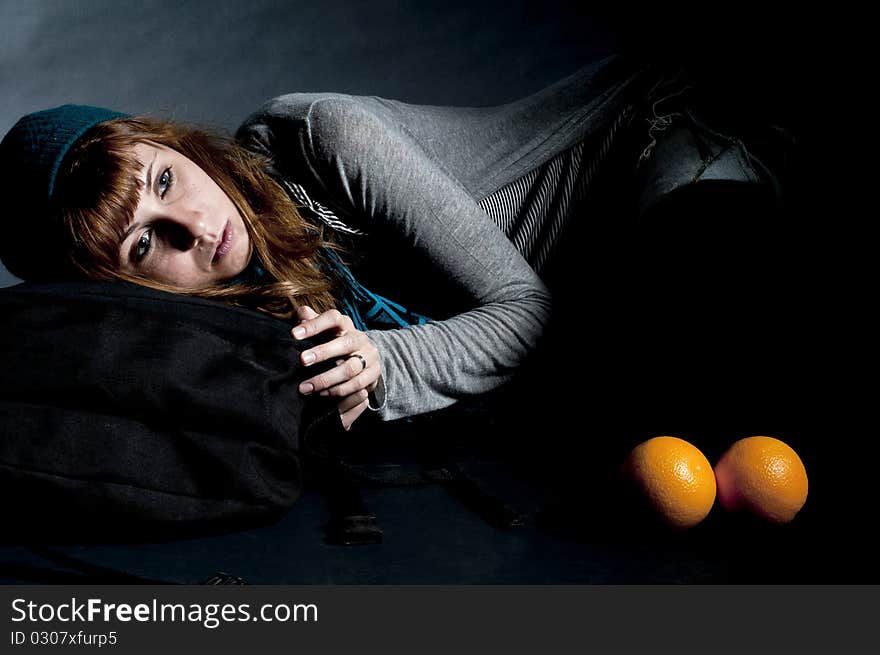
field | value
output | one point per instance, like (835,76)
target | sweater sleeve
(375,171)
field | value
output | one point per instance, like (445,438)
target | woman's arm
(375,172)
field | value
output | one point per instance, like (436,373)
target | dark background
(215,62)
(684,312)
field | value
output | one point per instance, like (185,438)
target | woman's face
(186,231)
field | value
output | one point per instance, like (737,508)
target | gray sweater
(414,175)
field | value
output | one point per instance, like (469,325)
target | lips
(225,243)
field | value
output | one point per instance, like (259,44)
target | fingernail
(299,332)
(324,393)
(308,358)
(306,387)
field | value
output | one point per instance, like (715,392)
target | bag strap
(468,490)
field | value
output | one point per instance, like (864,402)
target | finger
(342,380)
(349,417)
(352,401)
(339,348)
(305,313)
(366,380)
(332,319)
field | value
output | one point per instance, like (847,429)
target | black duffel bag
(125,410)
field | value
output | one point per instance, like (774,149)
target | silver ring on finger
(360,357)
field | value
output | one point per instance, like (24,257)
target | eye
(166,179)
(142,246)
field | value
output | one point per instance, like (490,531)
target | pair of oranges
(760,475)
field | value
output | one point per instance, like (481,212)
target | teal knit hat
(32,246)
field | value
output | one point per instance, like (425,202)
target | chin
(241,260)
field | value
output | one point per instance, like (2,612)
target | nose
(186,235)
(185,226)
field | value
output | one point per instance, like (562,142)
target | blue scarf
(367,310)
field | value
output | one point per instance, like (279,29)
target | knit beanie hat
(32,243)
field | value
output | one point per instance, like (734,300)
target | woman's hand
(358,365)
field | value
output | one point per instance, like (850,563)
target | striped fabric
(534,210)
(531,211)
(316,209)
(366,309)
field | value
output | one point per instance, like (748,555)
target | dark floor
(547,451)
(432,535)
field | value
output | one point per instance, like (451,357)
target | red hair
(97,193)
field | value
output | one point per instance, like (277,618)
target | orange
(763,476)
(675,478)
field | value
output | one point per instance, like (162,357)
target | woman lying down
(317,197)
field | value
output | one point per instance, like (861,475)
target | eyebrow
(131,228)
(150,171)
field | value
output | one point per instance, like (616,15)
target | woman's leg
(486,148)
